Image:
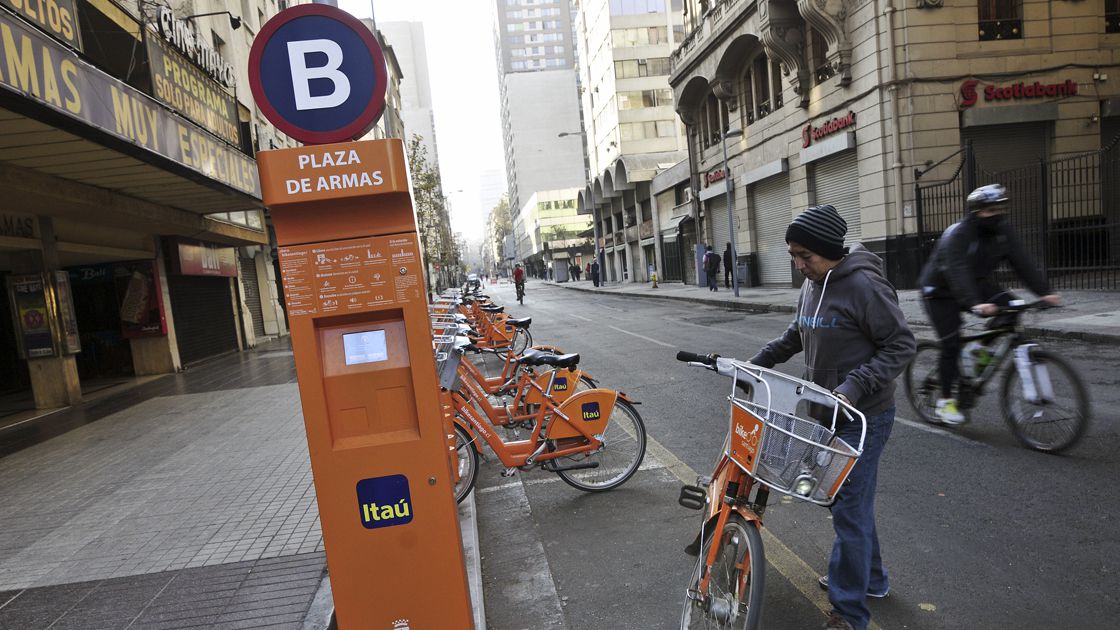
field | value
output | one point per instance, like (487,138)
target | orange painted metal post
(354,286)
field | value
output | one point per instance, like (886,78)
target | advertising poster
(67,317)
(30,301)
(141,308)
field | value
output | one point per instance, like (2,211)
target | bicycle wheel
(1049,426)
(522,339)
(923,384)
(734,600)
(468,464)
(624,446)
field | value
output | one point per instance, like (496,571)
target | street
(976,530)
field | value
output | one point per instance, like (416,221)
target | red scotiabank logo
(1015,91)
(968,93)
(811,133)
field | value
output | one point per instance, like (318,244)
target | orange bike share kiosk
(354,287)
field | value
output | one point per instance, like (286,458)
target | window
(822,70)
(1000,19)
(652,35)
(636,7)
(1112,16)
(649,129)
(645,98)
(760,89)
(714,121)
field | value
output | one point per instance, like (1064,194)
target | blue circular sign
(318,74)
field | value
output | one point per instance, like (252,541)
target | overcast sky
(464,86)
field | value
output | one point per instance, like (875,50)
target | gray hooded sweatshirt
(855,338)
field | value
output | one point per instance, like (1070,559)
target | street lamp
(594,207)
(234,21)
(731,133)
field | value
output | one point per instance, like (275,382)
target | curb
(1033,331)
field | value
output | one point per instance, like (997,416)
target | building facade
(133,240)
(630,128)
(417,113)
(538,96)
(892,111)
(550,234)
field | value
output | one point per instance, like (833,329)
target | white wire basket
(781,445)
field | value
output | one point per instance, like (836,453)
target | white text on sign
(338,181)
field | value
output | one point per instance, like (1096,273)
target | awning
(674,224)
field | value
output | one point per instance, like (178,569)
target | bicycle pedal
(693,497)
(509,472)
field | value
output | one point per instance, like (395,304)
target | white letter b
(302,75)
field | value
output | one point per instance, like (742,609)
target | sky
(464,83)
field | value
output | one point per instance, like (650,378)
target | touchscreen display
(365,347)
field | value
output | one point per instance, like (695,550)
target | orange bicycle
(777,445)
(594,441)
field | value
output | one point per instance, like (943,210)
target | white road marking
(928,428)
(627,332)
(586,319)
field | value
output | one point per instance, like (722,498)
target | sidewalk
(1085,315)
(184,502)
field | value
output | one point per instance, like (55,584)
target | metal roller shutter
(252,294)
(836,182)
(772,215)
(717,214)
(203,314)
(1001,148)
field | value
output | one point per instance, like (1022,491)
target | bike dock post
(352,269)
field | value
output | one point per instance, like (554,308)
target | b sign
(318,74)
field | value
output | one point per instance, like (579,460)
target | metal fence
(1066,210)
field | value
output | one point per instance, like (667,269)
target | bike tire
(468,463)
(1048,427)
(923,383)
(627,432)
(725,606)
(522,339)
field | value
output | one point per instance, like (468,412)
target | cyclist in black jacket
(958,277)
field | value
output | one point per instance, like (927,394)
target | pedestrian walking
(595,272)
(711,268)
(856,342)
(728,260)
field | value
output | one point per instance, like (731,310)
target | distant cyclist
(519,282)
(959,277)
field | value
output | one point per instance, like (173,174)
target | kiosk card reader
(353,281)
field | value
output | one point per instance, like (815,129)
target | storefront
(770,204)
(98,175)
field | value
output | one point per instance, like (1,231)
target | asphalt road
(976,531)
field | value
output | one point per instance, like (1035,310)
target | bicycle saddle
(492,308)
(536,357)
(522,322)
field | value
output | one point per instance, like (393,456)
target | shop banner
(67,316)
(179,84)
(29,299)
(38,68)
(202,259)
(57,17)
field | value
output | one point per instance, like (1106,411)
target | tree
(502,221)
(432,217)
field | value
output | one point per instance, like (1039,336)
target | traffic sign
(318,74)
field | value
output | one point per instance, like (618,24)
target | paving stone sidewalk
(192,506)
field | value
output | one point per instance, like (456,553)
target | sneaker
(836,622)
(823,581)
(948,412)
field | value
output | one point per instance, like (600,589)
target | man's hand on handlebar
(985,310)
(1052,300)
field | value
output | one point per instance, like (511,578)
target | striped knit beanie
(821,230)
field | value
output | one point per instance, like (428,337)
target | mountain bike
(778,445)
(1041,395)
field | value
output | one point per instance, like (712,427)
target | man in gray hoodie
(856,342)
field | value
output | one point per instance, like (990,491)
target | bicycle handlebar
(692,357)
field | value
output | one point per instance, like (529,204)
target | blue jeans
(856,566)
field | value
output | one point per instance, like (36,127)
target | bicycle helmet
(985,196)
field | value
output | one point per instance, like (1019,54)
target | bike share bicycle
(774,441)
(1042,397)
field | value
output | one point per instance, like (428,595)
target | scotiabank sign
(1015,91)
(812,133)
